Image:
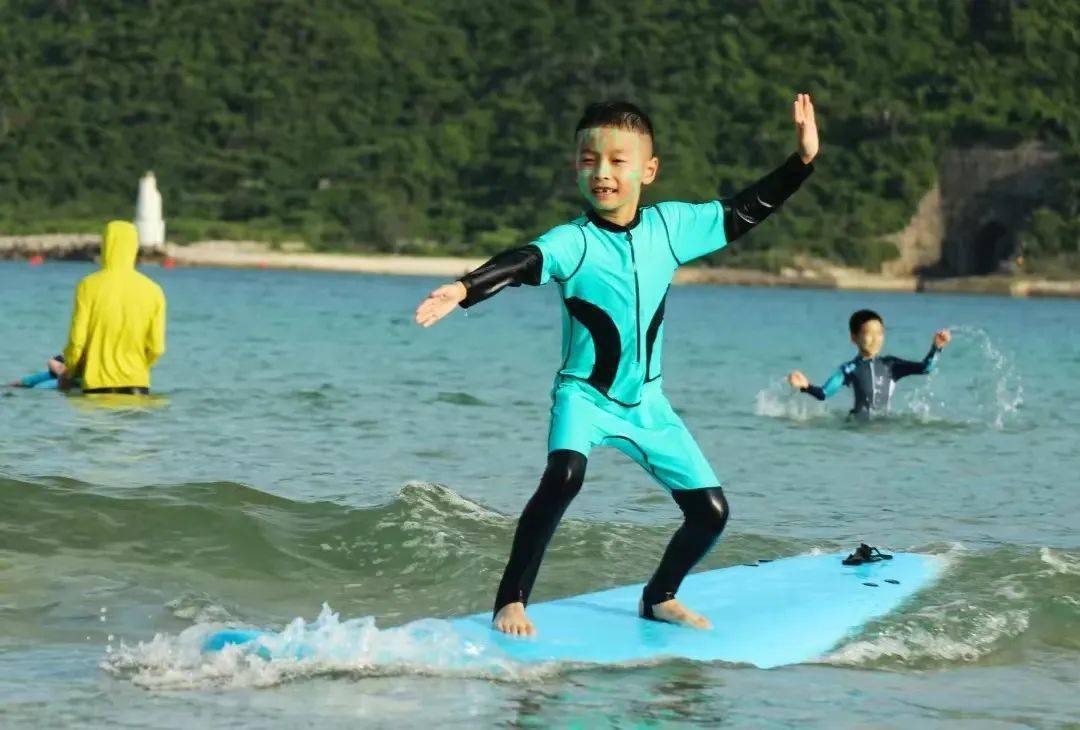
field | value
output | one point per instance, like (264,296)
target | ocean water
(311,454)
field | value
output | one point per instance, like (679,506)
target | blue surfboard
(767,614)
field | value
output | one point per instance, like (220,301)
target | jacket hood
(119,246)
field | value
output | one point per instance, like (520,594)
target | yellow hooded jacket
(118,325)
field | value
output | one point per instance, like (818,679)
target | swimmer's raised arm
(904,368)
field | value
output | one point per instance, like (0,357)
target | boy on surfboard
(613,266)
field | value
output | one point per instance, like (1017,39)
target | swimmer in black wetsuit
(871,376)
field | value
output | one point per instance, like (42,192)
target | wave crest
(327,646)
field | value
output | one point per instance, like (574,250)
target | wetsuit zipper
(873,384)
(637,296)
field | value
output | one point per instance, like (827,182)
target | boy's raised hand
(440,303)
(798,380)
(803,112)
(942,338)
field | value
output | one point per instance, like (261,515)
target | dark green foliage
(1052,239)
(446,126)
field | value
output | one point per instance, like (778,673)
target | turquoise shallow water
(309,445)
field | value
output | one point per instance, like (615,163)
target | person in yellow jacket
(118,325)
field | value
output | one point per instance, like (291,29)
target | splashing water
(327,646)
(992,390)
(778,400)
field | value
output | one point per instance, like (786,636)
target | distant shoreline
(256,255)
(855,280)
(252,255)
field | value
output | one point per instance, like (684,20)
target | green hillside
(446,126)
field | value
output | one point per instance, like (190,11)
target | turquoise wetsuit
(43,380)
(613,282)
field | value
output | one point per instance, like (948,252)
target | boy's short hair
(618,114)
(862,317)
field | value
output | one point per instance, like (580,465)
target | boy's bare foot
(511,619)
(674,612)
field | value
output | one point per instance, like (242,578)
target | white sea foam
(1059,561)
(963,624)
(326,646)
(425,514)
(910,642)
(441,500)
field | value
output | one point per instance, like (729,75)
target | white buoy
(148,218)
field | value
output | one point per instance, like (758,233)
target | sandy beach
(231,254)
(258,255)
(250,254)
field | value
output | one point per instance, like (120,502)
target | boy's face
(870,338)
(612,164)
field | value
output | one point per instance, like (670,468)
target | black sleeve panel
(757,202)
(903,368)
(510,268)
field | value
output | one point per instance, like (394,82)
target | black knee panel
(706,509)
(561,482)
(564,474)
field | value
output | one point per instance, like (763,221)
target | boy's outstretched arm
(832,385)
(757,202)
(904,368)
(439,303)
(510,268)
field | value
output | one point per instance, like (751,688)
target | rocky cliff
(969,224)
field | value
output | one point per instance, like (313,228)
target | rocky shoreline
(57,246)
(856,280)
(253,254)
